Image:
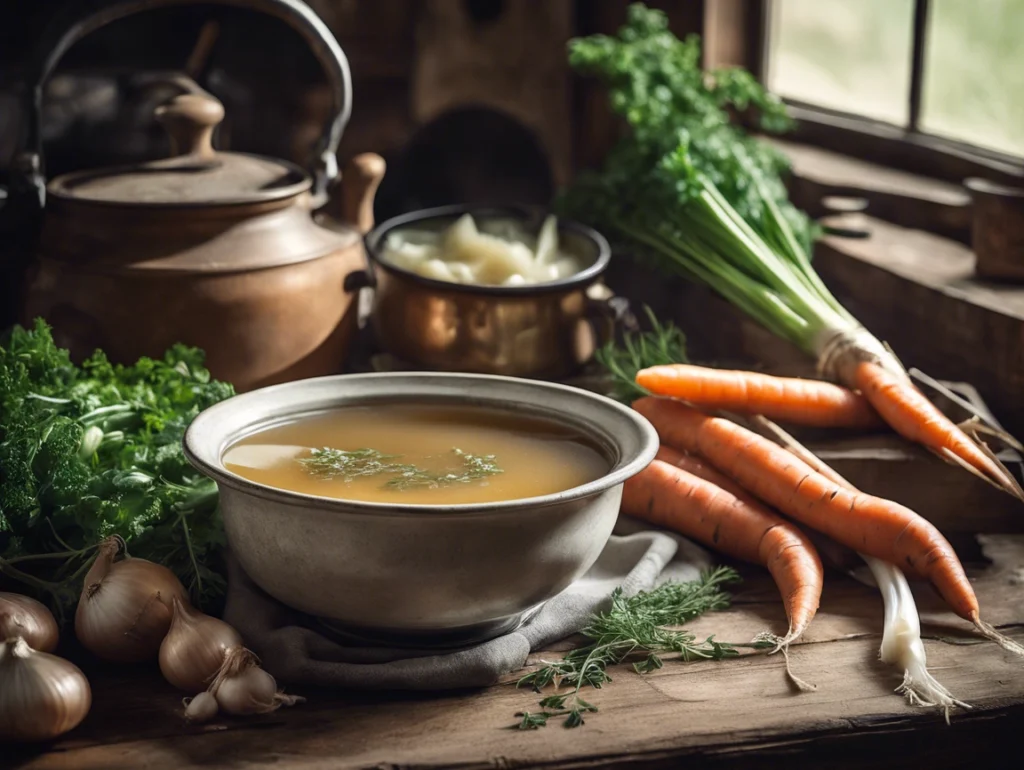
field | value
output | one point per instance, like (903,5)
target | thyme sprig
(348,464)
(664,344)
(473,467)
(634,626)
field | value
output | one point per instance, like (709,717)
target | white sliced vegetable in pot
(547,242)
(462,273)
(492,259)
(501,253)
(435,269)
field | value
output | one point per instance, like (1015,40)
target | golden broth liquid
(536,457)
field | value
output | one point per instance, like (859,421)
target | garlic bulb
(41,696)
(194,648)
(125,608)
(251,691)
(25,617)
(242,687)
(201,708)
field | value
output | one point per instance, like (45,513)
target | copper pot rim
(579,280)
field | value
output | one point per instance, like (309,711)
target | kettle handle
(81,18)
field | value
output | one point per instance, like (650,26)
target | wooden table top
(734,713)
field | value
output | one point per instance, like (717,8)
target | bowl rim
(198,451)
(373,240)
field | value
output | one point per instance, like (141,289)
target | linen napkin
(298,651)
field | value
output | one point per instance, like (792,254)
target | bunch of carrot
(712,479)
(883,398)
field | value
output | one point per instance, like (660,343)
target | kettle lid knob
(189,120)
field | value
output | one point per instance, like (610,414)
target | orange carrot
(789,399)
(914,417)
(701,469)
(871,525)
(680,493)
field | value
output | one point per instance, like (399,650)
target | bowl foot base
(450,639)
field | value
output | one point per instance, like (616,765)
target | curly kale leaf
(92,451)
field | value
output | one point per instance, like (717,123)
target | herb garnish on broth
(346,465)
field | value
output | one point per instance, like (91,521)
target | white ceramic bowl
(419,574)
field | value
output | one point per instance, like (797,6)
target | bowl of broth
(418,509)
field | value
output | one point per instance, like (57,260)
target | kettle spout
(359,182)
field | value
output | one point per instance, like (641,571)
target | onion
(25,617)
(242,687)
(41,696)
(194,648)
(125,608)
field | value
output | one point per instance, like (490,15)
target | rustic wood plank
(738,713)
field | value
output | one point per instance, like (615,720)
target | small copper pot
(544,331)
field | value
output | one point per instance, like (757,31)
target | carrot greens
(656,84)
(691,192)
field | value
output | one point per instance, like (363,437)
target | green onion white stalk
(901,640)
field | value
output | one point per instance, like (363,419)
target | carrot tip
(989,632)
(782,645)
(801,684)
(1001,480)
(1007,481)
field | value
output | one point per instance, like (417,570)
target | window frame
(908,149)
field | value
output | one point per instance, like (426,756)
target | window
(974,73)
(943,69)
(848,56)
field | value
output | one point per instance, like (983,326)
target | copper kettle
(214,249)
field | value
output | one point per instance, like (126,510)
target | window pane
(848,55)
(974,73)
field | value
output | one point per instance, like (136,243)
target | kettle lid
(197,175)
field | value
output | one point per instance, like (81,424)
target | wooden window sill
(897,196)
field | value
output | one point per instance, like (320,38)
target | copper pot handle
(76,20)
(608,314)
